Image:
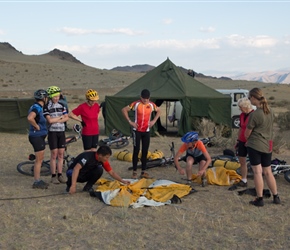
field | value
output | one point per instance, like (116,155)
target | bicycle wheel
(287,176)
(27,167)
(120,144)
(150,164)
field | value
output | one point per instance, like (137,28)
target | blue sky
(210,37)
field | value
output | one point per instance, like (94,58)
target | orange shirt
(142,114)
(198,145)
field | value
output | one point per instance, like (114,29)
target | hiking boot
(241,184)
(145,175)
(54,180)
(276,199)
(258,202)
(61,179)
(40,184)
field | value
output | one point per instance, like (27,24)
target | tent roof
(168,82)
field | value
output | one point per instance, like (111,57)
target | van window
(238,96)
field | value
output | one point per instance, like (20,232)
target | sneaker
(241,184)
(61,179)
(40,184)
(276,199)
(203,181)
(54,180)
(145,175)
(258,202)
(87,188)
(134,175)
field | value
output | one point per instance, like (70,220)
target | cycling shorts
(38,142)
(90,141)
(56,140)
(257,157)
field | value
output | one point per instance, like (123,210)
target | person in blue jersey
(56,116)
(37,134)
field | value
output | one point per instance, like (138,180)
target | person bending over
(88,167)
(196,153)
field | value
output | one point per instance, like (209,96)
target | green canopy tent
(13,115)
(169,83)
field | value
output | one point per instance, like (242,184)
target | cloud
(207,30)
(255,42)
(2,32)
(167,21)
(79,32)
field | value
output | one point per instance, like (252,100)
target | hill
(21,74)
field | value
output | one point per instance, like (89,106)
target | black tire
(114,145)
(120,144)
(236,122)
(287,176)
(26,168)
(150,164)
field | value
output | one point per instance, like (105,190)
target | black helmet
(40,94)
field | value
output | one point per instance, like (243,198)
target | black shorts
(196,159)
(257,157)
(38,143)
(242,149)
(56,140)
(90,141)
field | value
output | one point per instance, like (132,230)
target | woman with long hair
(259,135)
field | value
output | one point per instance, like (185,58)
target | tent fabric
(140,193)
(13,115)
(219,176)
(169,83)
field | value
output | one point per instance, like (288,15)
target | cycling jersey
(55,110)
(197,150)
(40,120)
(142,114)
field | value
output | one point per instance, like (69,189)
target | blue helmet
(190,137)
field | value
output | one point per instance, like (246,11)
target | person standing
(246,109)
(56,116)
(259,135)
(196,153)
(37,135)
(143,109)
(88,167)
(87,114)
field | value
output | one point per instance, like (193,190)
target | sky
(211,37)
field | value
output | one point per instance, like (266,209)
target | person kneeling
(196,152)
(88,167)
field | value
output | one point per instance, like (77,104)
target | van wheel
(236,122)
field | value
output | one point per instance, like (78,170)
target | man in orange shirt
(141,128)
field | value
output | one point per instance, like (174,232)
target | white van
(236,94)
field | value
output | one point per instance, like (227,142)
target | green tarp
(13,115)
(169,83)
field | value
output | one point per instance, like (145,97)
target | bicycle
(116,140)
(167,161)
(277,166)
(27,167)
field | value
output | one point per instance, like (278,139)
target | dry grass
(212,218)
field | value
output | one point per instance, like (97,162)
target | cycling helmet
(92,95)
(53,91)
(77,128)
(40,94)
(190,137)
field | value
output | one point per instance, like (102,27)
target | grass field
(212,218)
